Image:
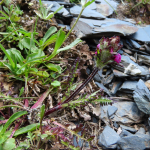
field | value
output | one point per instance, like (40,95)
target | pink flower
(117,58)
(96,53)
(98,46)
(111,50)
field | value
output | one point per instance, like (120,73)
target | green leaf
(4,14)
(15,55)
(55,83)
(6,9)
(26,129)
(9,58)
(50,31)
(59,42)
(11,119)
(53,67)
(42,112)
(41,73)
(89,3)
(44,136)
(26,43)
(3,139)
(9,144)
(21,91)
(70,46)
(58,9)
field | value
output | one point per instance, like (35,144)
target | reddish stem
(57,107)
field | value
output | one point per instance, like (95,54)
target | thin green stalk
(74,23)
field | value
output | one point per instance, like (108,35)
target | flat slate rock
(127,113)
(87,13)
(134,142)
(108,138)
(143,34)
(105,9)
(90,28)
(142,97)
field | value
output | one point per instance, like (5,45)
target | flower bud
(106,51)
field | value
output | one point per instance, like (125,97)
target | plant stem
(74,23)
(57,107)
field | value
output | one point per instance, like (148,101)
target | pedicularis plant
(27,65)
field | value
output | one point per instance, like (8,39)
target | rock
(90,28)
(108,138)
(135,44)
(143,34)
(149,121)
(119,74)
(128,86)
(132,68)
(125,133)
(91,6)
(105,9)
(55,6)
(144,59)
(65,26)
(87,13)
(104,88)
(142,97)
(127,113)
(111,110)
(128,128)
(116,86)
(140,131)
(134,142)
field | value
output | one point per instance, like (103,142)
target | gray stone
(142,97)
(104,88)
(125,133)
(54,7)
(116,86)
(108,138)
(134,142)
(135,44)
(143,34)
(87,13)
(90,28)
(132,68)
(92,6)
(140,131)
(105,9)
(127,113)
(144,59)
(128,86)
(111,110)
(128,128)
(67,27)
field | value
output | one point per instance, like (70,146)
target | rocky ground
(126,123)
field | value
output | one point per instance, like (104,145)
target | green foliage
(43,13)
